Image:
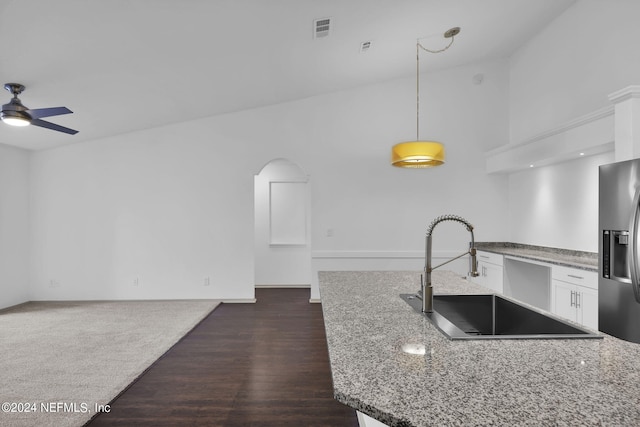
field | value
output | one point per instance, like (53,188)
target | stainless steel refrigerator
(619,269)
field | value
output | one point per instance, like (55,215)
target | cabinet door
(494,277)
(563,299)
(588,307)
(490,276)
(481,278)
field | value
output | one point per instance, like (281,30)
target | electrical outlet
(136,282)
(54,283)
(207,281)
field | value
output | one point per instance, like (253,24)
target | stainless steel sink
(464,317)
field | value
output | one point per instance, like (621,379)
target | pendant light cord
(436,51)
(418,47)
(417,91)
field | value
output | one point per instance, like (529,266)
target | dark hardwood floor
(263,364)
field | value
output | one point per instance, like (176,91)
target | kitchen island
(478,382)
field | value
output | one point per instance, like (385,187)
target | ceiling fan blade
(53,126)
(38,113)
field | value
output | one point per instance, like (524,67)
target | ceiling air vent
(321,28)
(365,46)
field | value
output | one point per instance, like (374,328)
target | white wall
(570,68)
(14,226)
(371,206)
(557,205)
(174,205)
(167,207)
(565,72)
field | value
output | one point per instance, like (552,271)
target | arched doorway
(282,248)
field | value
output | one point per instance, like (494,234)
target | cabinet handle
(573,295)
(577,300)
(575,277)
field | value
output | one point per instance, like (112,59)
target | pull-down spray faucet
(427,288)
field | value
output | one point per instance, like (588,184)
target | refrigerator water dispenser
(615,259)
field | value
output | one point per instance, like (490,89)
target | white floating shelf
(589,135)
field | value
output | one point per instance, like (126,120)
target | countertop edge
(582,260)
(371,411)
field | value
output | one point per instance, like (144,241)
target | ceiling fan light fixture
(16,114)
(417,154)
(14,118)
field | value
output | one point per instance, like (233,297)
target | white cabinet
(574,295)
(490,270)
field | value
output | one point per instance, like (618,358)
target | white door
(563,299)
(494,277)
(588,307)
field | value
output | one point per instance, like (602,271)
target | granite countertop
(565,257)
(483,382)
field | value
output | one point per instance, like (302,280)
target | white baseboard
(239,301)
(302,286)
(314,300)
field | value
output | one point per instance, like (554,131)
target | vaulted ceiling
(124,65)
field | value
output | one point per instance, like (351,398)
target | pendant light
(421,154)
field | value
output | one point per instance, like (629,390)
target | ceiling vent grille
(321,28)
(365,46)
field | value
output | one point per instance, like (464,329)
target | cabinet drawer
(490,257)
(576,276)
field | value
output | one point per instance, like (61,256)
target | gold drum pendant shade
(417,154)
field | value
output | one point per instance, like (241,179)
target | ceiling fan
(16,114)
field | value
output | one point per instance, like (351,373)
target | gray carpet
(58,360)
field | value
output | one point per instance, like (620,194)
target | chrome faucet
(427,288)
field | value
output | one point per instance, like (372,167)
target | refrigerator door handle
(633,253)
